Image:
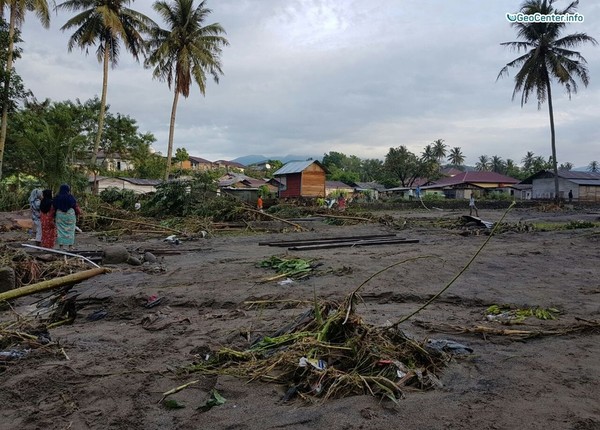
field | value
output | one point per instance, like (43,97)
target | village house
(138,186)
(464,184)
(301,179)
(585,186)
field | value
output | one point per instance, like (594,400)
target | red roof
(478,177)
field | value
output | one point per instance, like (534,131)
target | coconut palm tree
(188,50)
(106,24)
(548,57)
(497,164)
(594,167)
(483,163)
(456,157)
(428,154)
(17,8)
(567,166)
(528,161)
(439,150)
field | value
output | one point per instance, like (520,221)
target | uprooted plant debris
(295,268)
(330,352)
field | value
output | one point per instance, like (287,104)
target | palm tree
(428,154)
(456,157)
(548,57)
(497,164)
(106,23)
(566,166)
(17,16)
(187,50)
(439,149)
(594,167)
(528,161)
(483,163)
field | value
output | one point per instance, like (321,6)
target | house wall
(588,193)
(313,181)
(293,185)
(543,188)
(103,184)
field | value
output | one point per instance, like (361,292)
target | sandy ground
(119,366)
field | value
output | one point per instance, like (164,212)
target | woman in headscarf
(66,216)
(35,198)
(48,224)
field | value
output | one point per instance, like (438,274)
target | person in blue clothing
(472,206)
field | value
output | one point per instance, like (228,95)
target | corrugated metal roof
(139,181)
(295,167)
(200,160)
(595,182)
(477,177)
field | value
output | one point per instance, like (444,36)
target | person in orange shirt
(259,204)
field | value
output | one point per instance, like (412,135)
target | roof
(475,177)
(296,167)
(230,163)
(134,181)
(595,182)
(370,186)
(199,160)
(336,184)
(565,174)
(451,171)
(232,178)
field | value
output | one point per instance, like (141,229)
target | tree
(181,155)
(567,166)
(483,163)
(548,57)
(439,150)
(528,161)
(17,16)
(593,167)
(188,50)
(371,170)
(402,166)
(497,164)
(105,23)
(456,157)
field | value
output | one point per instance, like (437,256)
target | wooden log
(352,244)
(298,226)
(326,239)
(357,218)
(52,283)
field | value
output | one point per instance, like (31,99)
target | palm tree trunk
(102,106)
(9,61)
(553,140)
(171,133)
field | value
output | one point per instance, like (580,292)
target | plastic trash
(153,300)
(13,354)
(287,281)
(317,364)
(449,346)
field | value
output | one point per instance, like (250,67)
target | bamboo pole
(357,218)
(52,283)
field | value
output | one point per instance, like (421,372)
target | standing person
(570,196)
(66,216)
(341,203)
(472,206)
(35,199)
(259,204)
(47,215)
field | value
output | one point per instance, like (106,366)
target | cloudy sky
(306,77)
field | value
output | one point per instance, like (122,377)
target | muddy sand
(119,366)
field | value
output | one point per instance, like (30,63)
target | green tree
(548,57)
(181,155)
(439,150)
(566,166)
(528,161)
(511,169)
(497,164)
(593,167)
(403,167)
(105,24)
(187,51)
(456,157)
(483,163)
(17,9)
(371,170)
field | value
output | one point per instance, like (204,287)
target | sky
(306,77)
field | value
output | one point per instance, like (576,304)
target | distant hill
(251,159)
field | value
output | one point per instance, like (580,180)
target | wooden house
(301,179)
(585,186)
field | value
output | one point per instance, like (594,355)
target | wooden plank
(327,239)
(353,244)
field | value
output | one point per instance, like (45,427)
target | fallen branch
(160,227)
(298,226)
(52,283)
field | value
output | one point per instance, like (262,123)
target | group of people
(54,218)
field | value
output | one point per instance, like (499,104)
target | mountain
(251,159)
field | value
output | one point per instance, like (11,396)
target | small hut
(301,179)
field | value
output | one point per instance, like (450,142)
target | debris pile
(330,352)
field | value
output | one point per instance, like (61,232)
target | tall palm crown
(186,52)
(18,9)
(456,156)
(548,58)
(439,149)
(106,24)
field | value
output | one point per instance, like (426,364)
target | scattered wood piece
(392,241)
(357,218)
(147,224)
(325,239)
(62,281)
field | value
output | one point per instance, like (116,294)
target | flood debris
(329,352)
(507,314)
(286,267)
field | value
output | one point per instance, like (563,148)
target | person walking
(67,211)
(259,204)
(35,199)
(472,206)
(47,216)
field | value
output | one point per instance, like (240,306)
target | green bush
(125,199)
